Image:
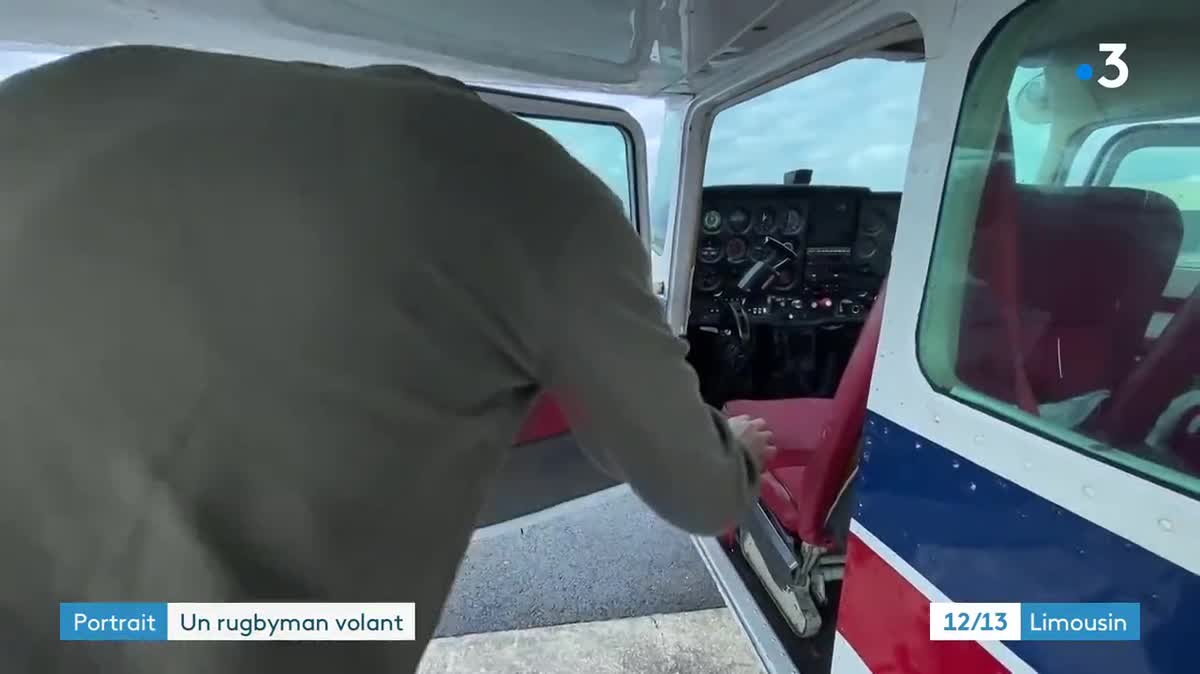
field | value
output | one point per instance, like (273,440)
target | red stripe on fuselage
(886,620)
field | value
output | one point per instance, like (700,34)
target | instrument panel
(840,239)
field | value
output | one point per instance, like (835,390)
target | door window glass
(603,148)
(1045,288)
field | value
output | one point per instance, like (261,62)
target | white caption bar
(974,622)
(290,622)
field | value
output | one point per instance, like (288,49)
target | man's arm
(631,398)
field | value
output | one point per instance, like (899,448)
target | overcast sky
(14,62)
(852,124)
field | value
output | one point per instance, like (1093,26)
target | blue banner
(1081,622)
(124,621)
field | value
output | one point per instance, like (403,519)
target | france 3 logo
(1114,50)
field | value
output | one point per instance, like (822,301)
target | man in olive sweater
(269,329)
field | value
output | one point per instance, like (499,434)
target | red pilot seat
(817,440)
(1063,313)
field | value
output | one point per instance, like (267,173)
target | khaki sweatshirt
(270,328)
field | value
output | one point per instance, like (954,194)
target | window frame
(794,60)
(630,181)
(1126,141)
(546,107)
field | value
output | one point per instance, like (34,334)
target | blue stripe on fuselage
(981,538)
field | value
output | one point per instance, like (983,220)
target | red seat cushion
(799,425)
(776,494)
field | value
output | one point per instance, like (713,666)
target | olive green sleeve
(632,399)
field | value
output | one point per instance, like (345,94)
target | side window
(1060,298)
(1163,157)
(1159,164)
(850,124)
(1173,171)
(603,148)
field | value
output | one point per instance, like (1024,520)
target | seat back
(1090,267)
(831,465)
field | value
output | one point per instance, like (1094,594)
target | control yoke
(761,273)
(758,277)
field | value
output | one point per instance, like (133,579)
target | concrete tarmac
(602,557)
(695,642)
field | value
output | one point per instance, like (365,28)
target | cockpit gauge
(710,250)
(873,221)
(764,223)
(739,221)
(735,249)
(794,221)
(761,252)
(707,280)
(712,222)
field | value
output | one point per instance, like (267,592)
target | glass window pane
(1173,171)
(1066,308)
(851,124)
(603,148)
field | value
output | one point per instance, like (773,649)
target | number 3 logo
(1114,50)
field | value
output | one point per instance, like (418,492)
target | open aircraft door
(1031,420)
(546,466)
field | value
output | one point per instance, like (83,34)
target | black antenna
(798,177)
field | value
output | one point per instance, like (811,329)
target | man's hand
(754,436)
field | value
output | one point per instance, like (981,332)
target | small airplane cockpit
(785,276)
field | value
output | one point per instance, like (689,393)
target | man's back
(268,328)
